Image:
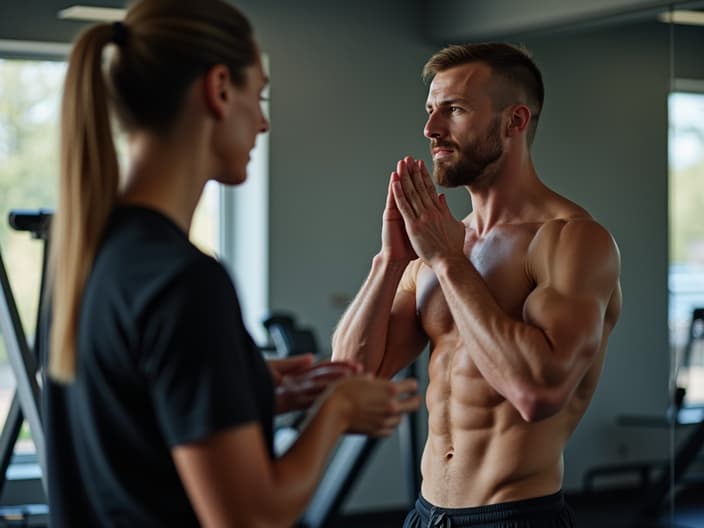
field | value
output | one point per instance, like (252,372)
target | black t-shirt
(164,359)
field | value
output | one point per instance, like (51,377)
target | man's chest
(501,259)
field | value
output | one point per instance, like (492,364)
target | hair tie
(119,33)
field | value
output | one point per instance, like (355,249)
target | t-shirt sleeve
(196,356)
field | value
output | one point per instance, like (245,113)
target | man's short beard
(474,160)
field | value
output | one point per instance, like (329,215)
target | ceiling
(36,20)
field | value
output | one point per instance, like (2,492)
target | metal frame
(350,458)
(24,361)
(26,402)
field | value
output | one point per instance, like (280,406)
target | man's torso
(479,449)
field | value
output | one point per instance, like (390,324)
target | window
(29,102)
(686,229)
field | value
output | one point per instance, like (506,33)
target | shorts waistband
(503,511)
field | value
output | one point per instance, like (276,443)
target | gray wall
(347,102)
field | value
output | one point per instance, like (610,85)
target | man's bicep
(579,279)
(571,325)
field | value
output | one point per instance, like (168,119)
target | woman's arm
(232,481)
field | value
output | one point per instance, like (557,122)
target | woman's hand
(375,406)
(299,382)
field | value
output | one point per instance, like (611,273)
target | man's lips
(441,152)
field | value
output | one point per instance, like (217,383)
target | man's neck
(511,196)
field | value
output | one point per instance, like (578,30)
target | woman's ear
(217,89)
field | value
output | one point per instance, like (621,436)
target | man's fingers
(410,191)
(390,202)
(402,168)
(425,193)
(418,189)
(402,203)
(427,182)
(442,202)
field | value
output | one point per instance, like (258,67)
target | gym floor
(612,509)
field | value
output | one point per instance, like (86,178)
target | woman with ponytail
(159,406)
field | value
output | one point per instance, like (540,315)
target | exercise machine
(23,358)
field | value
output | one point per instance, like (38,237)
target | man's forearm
(509,353)
(362,331)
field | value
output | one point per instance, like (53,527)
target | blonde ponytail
(89,178)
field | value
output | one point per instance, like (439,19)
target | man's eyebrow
(447,102)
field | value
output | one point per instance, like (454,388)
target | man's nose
(433,128)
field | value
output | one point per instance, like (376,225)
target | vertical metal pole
(23,366)
(8,438)
(352,455)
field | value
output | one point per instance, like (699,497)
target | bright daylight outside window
(686,195)
(30,93)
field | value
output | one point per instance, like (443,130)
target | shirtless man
(517,300)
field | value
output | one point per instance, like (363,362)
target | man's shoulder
(576,229)
(578,245)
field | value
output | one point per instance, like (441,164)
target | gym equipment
(287,338)
(658,479)
(680,414)
(23,359)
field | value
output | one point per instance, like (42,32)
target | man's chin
(441,170)
(443,178)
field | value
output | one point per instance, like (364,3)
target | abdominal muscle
(479,450)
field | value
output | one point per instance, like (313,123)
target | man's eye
(455,109)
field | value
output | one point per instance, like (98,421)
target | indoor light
(92,13)
(681,16)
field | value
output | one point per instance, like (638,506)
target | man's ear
(217,88)
(518,119)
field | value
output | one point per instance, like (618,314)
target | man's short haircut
(519,79)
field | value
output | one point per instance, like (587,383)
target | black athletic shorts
(550,511)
